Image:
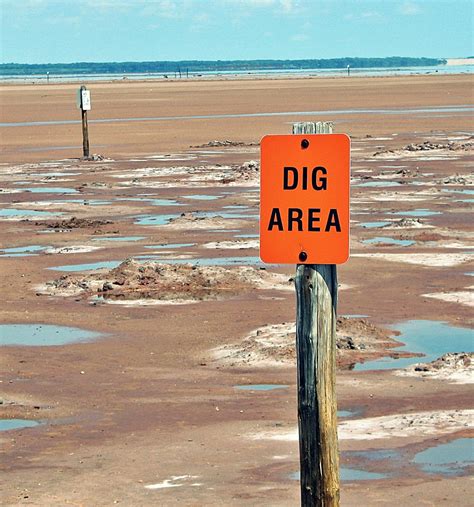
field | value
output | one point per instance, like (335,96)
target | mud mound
(405,223)
(274,345)
(428,146)
(133,280)
(74,223)
(193,221)
(456,367)
(222,144)
(456,179)
(247,172)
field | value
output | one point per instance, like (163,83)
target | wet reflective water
(170,245)
(350,475)
(87,267)
(119,238)
(43,335)
(21,251)
(17,424)
(260,387)
(14,212)
(389,241)
(154,219)
(418,213)
(453,458)
(50,190)
(373,225)
(378,184)
(428,337)
(443,109)
(202,197)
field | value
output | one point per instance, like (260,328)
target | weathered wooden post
(84,104)
(316,303)
(304,220)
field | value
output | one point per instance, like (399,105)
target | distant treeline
(196,66)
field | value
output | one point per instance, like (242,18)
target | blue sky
(49,31)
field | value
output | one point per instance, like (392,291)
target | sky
(63,31)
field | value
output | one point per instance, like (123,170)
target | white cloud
(409,9)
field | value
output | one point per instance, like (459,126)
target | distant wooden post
(84,103)
(316,301)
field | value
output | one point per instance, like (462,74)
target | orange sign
(304,199)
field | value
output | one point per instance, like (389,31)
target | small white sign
(86,100)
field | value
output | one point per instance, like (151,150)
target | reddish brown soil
(146,403)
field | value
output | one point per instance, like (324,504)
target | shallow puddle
(379,184)
(260,387)
(37,335)
(459,190)
(388,241)
(350,475)
(373,225)
(164,202)
(84,202)
(87,267)
(431,338)
(14,212)
(50,190)
(202,197)
(355,316)
(170,245)
(17,424)
(119,238)
(453,458)
(22,251)
(207,261)
(418,213)
(154,219)
(247,235)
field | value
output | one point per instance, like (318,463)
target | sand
(149,404)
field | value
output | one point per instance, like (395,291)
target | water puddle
(355,316)
(17,424)
(119,238)
(373,225)
(402,111)
(247,235)
(202,197)
(84,202)
(388,241)
(164,202)
(225,214)
(210,261)
(50,190)
(54,174)
(87,267)
(170,245)
(260,387)
(23,251)
(379,184)
(350,475)
(154,219)
(427,337)
(459,190)
(418,213)
(352,412)
(453,458)
(14,212)
(37,335)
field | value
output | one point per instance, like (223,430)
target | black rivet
(303,256)
(304,144)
